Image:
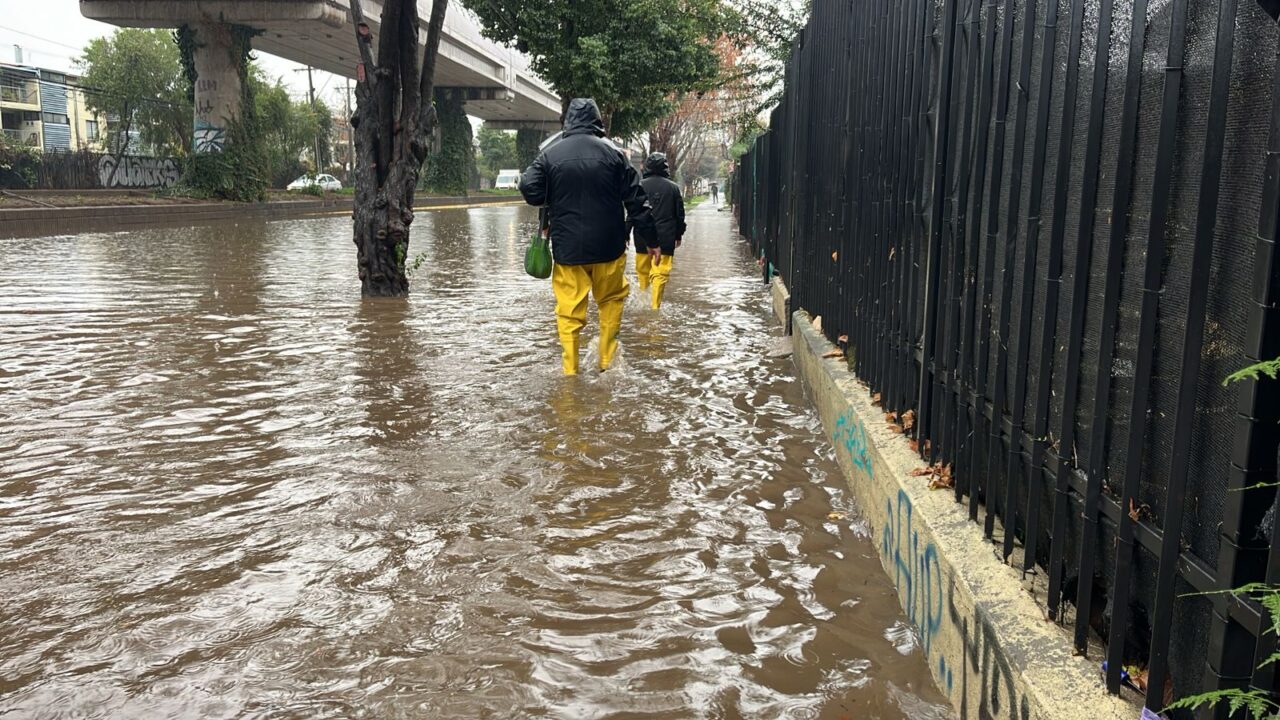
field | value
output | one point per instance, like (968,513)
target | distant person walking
(586,183)
(668,217)
(715,193)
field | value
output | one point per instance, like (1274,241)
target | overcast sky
(52,33)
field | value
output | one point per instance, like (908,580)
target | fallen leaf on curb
(891,417)
(917,472)
(876,398)
(833,353)
(908,419)
(915,445)
(941,483)
(835,515)
(895,427)
(843,339)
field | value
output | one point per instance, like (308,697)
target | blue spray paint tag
(1148,715)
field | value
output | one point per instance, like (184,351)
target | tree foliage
(134,81)
(632,56)
(497,151)
(289,130)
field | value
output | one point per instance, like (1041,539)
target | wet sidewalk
(232,489)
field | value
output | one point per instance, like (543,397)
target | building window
(56,119)
(90,129)
(29,116)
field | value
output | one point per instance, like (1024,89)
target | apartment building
(46,109)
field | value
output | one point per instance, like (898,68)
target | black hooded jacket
(586,183)
(667,202)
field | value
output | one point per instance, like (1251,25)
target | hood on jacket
(583,117)
(656,164)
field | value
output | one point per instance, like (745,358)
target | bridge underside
(318,33)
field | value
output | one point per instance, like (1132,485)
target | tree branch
(426,88)
(362,43)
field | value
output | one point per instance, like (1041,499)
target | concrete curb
(781,300)
(986,640)
(43,222)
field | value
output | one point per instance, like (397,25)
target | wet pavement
(230,488)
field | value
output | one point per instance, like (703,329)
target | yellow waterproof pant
(644,266)
(607,283)
(658,275)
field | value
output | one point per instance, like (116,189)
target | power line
(41,39)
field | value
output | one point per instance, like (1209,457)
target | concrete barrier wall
(986,639)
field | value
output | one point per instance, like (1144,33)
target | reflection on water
(232,489)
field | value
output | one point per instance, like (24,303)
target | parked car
(322,181)
(507,180)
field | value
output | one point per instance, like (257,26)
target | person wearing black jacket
(586,184)
(668,218)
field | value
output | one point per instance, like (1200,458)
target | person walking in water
(715,193)
(668,218)
(586,184)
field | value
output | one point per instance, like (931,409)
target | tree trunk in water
(392,124)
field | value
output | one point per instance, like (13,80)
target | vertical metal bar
(1161,184)
(1113,272)
(933,256)
(1192,345)
(1264,342)
(1013,466)
(1035,202)
(988,238)
(963,456)
(1079,298)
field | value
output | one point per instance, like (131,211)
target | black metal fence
(1046,228)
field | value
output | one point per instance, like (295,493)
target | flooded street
(229,488)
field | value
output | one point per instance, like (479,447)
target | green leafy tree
(289,130)
(497,151)
(632,56)
(135,82)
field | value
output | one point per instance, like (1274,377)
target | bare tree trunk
(392,124)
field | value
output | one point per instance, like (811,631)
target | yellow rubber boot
(610,287)
(571,284)
(644,267)
(660,274)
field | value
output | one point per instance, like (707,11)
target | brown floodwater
(229,488)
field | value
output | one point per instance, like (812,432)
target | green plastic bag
(537,259)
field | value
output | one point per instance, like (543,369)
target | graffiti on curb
(124,171)
(995,683)
(915,569)
(851,436)
(917,573)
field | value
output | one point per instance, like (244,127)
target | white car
(507,180)
(324,182)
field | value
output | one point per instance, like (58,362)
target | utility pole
(315,148)
(351,135)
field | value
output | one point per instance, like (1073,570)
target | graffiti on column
(122,171)
(209,137)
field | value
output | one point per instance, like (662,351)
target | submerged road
(229,488)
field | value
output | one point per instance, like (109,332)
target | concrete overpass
(496,81)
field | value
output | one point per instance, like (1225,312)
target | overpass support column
(218,57)
(527,142)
